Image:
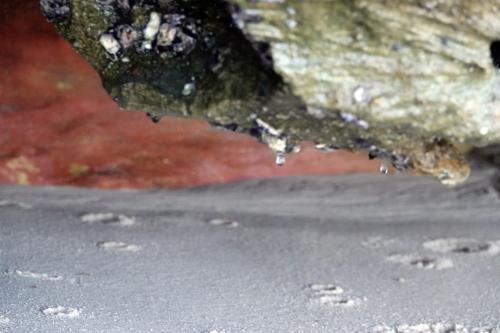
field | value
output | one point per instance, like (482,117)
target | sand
(374,254)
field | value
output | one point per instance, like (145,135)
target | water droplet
(291,24)
(280,160)
(384,169)
(189,88)
(361,95)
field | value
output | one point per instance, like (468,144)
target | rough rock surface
(410,81)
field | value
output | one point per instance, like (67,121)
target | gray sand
(371,254)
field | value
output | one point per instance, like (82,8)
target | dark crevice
(495,53)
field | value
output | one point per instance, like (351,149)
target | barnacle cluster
(55,9)
(167,35)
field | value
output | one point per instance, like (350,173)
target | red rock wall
(58,126)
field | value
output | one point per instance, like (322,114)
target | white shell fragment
(272,137)
(151,30)
(110,44)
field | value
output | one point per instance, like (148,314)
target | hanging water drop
(188,89)
(280,159)
(384,169)
(361,95)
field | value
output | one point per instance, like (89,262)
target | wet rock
(412,82)
(59,126)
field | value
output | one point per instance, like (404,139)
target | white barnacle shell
(110,44)
(126,35)
(166,35)
(151,29)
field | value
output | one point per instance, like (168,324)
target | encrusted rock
(414,82)
(55,10)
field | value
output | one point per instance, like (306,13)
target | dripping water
(280,159)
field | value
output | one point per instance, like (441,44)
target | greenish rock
(410,81)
